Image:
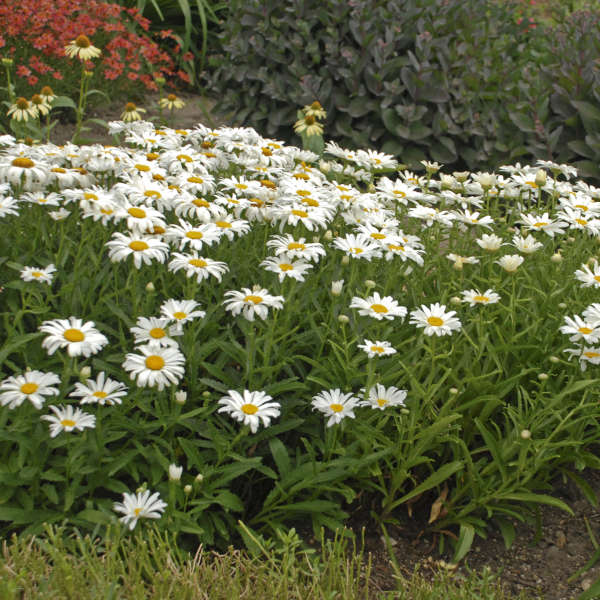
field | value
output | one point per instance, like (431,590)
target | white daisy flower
(32,386)
(229,227)
(67,419)
(296,248)
(543,223)
(381,397)
(474,297)
(197,266)
(103,390)
(252,301)
(358,246)
(181,311)
(41,274)
(144,249)
(285,266)
(335,404)
(57,215)
(155,330)
(155,367)
(377,348)
(490,242)
(250,408)
(435,320)
(22,170)
(459,260)
(588,277)
(404,251)
(378,307)
(141,219)
(510,262)
(592,314)
(8,206)
(79,338)
(195,235)
(526,245)
(139,506)
(580,330)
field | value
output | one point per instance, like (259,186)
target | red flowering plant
(34,36)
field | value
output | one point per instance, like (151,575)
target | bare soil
(543,558)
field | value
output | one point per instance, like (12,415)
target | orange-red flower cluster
(47,26)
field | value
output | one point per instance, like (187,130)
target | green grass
(58,565)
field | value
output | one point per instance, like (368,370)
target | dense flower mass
(270,313)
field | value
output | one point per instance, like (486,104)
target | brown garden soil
(541,561)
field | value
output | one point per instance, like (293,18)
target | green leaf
(465,541)
(537,499)
(229,501)
(280,456)
(508,531)
(589,114)
(63,101)
(523,122)
(17,343)
(434,479)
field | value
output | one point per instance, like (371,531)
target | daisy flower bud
(187,489)
(453,391)
(181,397)
(562,305)
(85,372)
(556,257)
(150,287)
(328,235)
(175,472)
(336,287)
(543,376)
(345,259)
(199,478)
(455,300)
(525,434)
(369,283)
(554,359)
(540,178)
(343,319)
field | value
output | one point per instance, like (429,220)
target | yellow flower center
(435,321)
(197,262)
(378,236)
(58,170)
(379,308)
(22,162)
(142,167)
(90,196)
(241,186)
(223,224)
(184,157)
(378,349)
(137,511)
(106,211)
(585,330)
(152,194)
(194,179)
(29,388)
(481,299)
(37,273)
(254,299)
(152,156)
(382,401)
(249,409)
(590,354)
(268,184)
(286,267)
(180,315)
(194,235)
(201,202)
(138,246)
(266,152)
(138,213)
(336,407)
(22,103)
(356,250)
(396,247)
(296,246)
(540,224)
(155,362)
(157,333)
(597,278)
(68,423)
(399,193)
(582,207)
(310,202)
(581,222)
(100,394)
(130,107)
(532,184)
(74,335)
(300,213)
(303,192)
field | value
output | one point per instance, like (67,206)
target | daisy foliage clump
(287,332)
